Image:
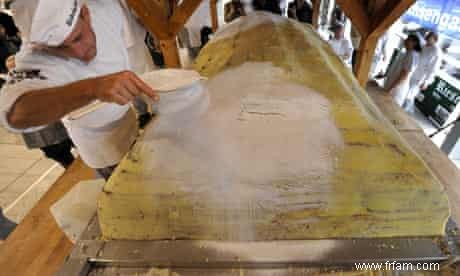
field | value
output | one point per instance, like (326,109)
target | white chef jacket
(23,12)
(134,34)
(105,135)
(429,62)
(342,47)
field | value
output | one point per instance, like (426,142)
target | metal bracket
(90,252)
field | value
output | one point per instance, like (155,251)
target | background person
(341,46)
(401,70)
(233,10)
(429,64)
(301,10)
(200,19)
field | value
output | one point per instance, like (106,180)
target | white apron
(408,61)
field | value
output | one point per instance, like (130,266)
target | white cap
(54,20)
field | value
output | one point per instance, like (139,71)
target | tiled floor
(25,175)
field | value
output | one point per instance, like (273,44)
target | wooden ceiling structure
(371,18)
(165,18)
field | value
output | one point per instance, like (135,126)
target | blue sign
(439,15)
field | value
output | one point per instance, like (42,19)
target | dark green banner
(438,101)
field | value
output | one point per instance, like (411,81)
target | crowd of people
(300,10)
(414,69)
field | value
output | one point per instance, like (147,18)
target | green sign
(438,101)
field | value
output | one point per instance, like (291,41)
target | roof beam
(358,15)
(181,14)
(152,15)
(376,7)
(381,15)
(392,10)
(364,56)
(213,11)
(316,10)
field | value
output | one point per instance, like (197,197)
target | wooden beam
(388,14)
(358,15)
(213,12)
(439,163)
(173,4)
(155,18)
(316,9)
(152,16)
(181,14)
(364,56)
(392,10)
(376,7)
(170,53)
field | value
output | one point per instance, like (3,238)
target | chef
(76,54)
(430,60)
(341,46)
(399,74)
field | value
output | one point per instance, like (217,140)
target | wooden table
(442,167)
(38,246)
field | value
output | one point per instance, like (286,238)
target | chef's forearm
(45,106)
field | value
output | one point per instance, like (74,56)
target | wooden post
(371,27)
(364,57)
(381,22)
(173,4)
(168,44)
(357,14)
(170,53)
(316,10)
(181,14)
(152,16)
(213,11)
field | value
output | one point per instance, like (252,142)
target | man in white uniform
(401,70)
(430,60)
(76,54)
(341,46)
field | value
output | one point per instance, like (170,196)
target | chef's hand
(122,88)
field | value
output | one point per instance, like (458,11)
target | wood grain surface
(37,246)
(290,147)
